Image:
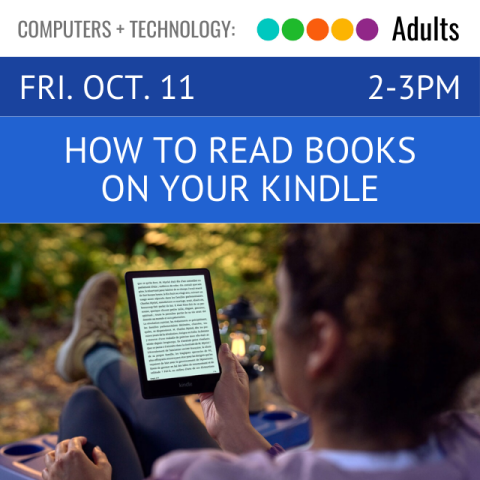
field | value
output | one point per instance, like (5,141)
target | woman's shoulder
(216,465)
(211,465)
(460,441)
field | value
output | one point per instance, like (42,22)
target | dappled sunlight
(43,267)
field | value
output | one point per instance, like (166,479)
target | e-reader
(175,331)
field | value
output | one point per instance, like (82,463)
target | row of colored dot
(317,29)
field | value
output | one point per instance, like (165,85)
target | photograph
(351,347)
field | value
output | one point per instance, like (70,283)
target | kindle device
(175,331)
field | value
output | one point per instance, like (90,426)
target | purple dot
(367,29)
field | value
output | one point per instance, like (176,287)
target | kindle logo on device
(187,384)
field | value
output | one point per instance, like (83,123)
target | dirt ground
(31,393)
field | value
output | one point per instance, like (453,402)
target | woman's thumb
(99,457)
(226,359)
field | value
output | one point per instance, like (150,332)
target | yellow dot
(342,29)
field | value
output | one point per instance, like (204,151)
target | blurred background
(43,267)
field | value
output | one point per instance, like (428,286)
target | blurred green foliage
(5,333)
(43,267)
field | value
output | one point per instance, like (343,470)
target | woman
(378,329)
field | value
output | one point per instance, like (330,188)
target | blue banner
(240,87)
(338,170)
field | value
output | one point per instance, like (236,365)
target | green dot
(268,29)
(293,29)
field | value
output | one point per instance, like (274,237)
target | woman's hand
(226,409)
(69,462)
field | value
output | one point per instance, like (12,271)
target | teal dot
(268,29)
(293,29)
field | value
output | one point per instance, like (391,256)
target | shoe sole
(67,345)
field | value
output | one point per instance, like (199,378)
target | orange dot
(317,29)
(342,29)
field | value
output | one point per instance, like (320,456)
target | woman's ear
(327,339)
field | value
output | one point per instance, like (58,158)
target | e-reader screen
(175,326)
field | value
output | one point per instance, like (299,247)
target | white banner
(226,28)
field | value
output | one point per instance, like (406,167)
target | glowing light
(238,346)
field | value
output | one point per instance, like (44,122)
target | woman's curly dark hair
(408,299)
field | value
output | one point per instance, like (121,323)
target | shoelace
(99,320)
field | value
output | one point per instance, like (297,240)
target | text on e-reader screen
(175,326)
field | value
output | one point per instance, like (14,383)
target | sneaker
(92,323)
